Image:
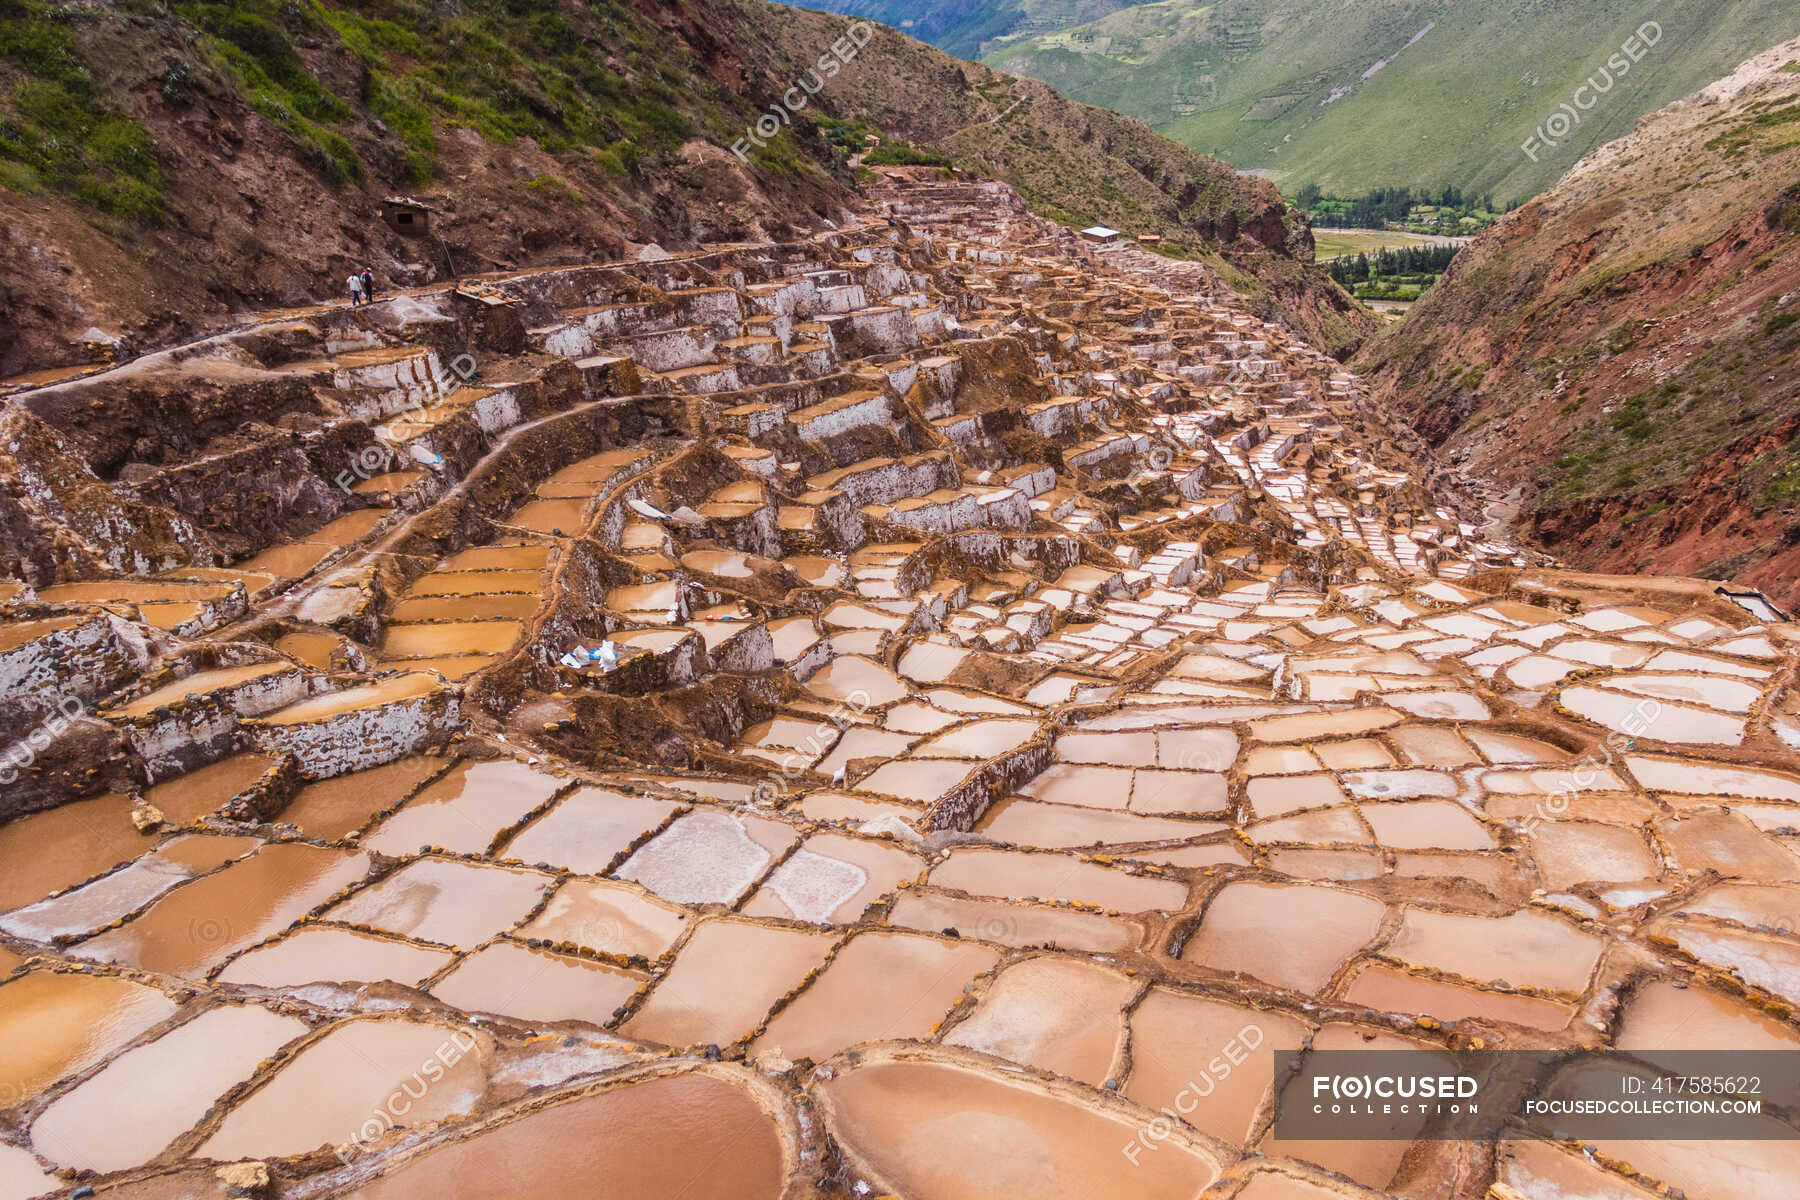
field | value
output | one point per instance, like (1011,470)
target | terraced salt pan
(831,879)
(1057,1014)
(1275,796)
(726,978)
(1426,824)
(1661,1016)
(1354,755)
(203,792)
(1191,793)
(1325,864)
(117,895)
(933,1131)
(1178,1043)
(979,739)
(857,681)
(861,746)
(336,808)
(1712,779)
(1294,936)
(1433,746)
(445,639)
(518,607)
(1728,843)
(198,926)
(1371,1163)
(322,954)
(1727,695)
(1012,924)
(1753,905)
(612,918)
(1649,718)
(1763,961)
(326,1095)
(1277,1185)
(1574,852)
(475,583)
(1280,760)
(201,682)
(465,809)
(1716,1168)
(693,1135)
(707,857)
(1056,826)
(919,780)
(1009,873)
(1503,749)
(535,985)
(852,810)
(21,1177)
(1541,1169)
(1523,948)
(1388,990)
(148,1096)
(587,829)
(390,690)
(879,985)
(1330,825)
(52,1025)
(447,902)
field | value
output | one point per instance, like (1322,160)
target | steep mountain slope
(1356,94)
(164,166)
(1622,356)
(1073,163)
(963,27)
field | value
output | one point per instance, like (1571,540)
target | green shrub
(556,190)
(65,138)
(620,158)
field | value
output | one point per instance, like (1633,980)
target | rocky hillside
(164,167)
(1621,357)
(1072,162)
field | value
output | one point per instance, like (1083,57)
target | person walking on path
(356,292)
(368,286)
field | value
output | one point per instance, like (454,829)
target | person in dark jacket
(368,288)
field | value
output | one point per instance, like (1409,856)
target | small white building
(1100,234)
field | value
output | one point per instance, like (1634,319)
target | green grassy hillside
(1355,94)
(166,164)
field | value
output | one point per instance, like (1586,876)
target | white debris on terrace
(873,715)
